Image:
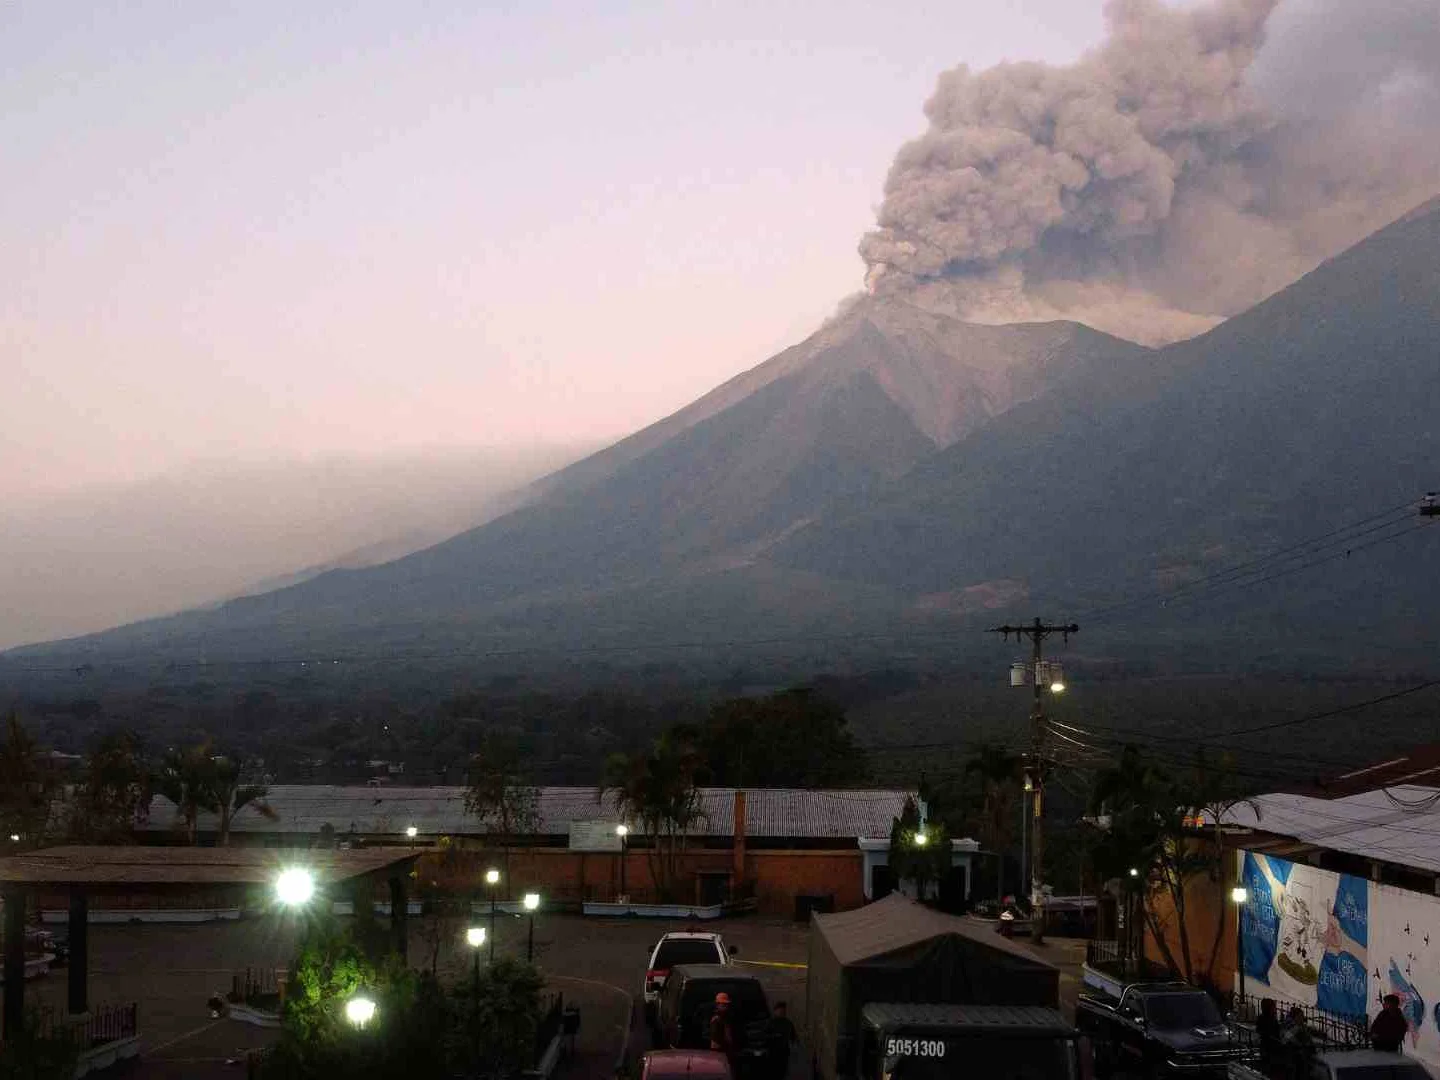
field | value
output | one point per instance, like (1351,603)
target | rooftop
(440,811)
(1399,825)
(126,866)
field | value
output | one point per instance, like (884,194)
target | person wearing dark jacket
(782,1037)
(1388,1030)
(1267,1029)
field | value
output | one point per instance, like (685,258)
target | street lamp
(410,833)
(1239,895)
(492,878)
(532,902)
(359,1011)
(1134,872)
(475,937)
(921,839)
(295,886)
(622,831)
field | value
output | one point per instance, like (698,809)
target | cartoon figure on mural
(1302,941)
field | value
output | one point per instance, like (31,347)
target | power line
(1096,613)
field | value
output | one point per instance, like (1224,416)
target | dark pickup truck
(1158,1030)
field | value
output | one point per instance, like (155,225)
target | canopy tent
(898,951)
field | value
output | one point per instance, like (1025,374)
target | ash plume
(1198,160)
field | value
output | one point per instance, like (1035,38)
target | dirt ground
(598,964)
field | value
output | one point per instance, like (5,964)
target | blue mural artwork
(1411,1003)
(1343,986)
(1260,917)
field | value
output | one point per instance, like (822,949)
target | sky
(264,232)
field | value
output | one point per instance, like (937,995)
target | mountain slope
(841,416)
(1304,413)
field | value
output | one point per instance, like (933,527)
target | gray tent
(896,950)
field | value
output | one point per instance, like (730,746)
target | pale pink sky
(260,231)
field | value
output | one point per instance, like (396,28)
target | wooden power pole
(1037,632)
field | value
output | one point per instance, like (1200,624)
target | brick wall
(775,876)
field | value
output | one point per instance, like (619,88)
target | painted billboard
(1341,943)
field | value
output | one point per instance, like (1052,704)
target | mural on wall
(1342,943)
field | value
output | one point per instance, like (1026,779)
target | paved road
(598,964)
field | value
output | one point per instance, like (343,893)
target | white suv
(682,947)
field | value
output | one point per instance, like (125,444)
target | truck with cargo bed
(896,989)
(1340,1065)
(1161,1029)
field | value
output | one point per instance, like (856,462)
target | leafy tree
(496,1028)
(999,773)
(187,779)
(114,794)
(795,738)
(231,796)
(1154,814)
(911,860)
(658,790)
(28,787)
(500,795)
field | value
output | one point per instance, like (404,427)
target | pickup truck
(936,1042)
(1159,1030)
(1346,1065)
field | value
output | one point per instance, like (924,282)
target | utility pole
(1037,632)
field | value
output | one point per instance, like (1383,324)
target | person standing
(1388,1031)
(782,1037)
(722,1031)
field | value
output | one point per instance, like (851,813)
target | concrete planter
(147,915)
(258,1017)
(382,907)
(103,1057)
(1103,981)
(656,911)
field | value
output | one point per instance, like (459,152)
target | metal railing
(1333,1030)
(108,1024)
(550,1025)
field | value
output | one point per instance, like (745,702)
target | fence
(105,1025)
(550,1025)
(1109,957)
(1331,1029)
(256,985)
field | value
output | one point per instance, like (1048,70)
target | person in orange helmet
(722,1031)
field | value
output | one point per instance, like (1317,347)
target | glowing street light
(475,937)
(921,839)
(622,831)
(492,878)
(294,886)
(1238,896)
(359,1011)
(532,902)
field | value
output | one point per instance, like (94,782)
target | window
(677,951)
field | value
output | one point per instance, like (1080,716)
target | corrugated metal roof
(1035,1019)
(896,923)
(85,865)
(777,813)
(1398,825)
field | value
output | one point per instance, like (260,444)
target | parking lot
(598,964)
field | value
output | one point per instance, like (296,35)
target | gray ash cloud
(1199,159)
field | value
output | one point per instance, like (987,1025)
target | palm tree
(231,796)
(999,771)
(187,779)
(657,789)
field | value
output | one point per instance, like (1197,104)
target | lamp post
(492,878)
(360,1010)
(475,937)
(532,901)
(294,888)
(622,831)
(410,833)
(1239,895)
